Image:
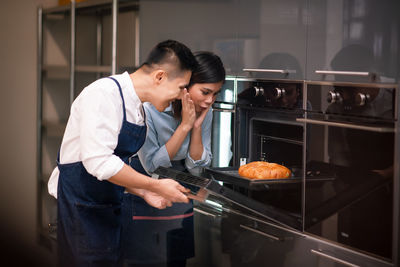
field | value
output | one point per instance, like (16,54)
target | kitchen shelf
(59,72)
(54,129)
(94,6)
(55,72)
(77,44)
(94,69)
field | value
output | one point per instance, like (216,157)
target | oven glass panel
(352,146)
(268,130)
(282,143)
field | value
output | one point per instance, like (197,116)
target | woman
(179,137)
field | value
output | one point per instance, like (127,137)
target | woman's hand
(200,118)
(196,143)
(188,111)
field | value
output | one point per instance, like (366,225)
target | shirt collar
(168,109)
(128,81)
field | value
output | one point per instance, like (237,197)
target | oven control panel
(369,101)
(287,95)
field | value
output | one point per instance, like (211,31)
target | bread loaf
(264,170)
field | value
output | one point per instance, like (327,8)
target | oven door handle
(276,238)
(346,125)
(327,256)
(348,73)
(270,70)
(223,110)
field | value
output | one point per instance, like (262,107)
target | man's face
(170,89)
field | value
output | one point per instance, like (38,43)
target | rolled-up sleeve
(100,124)
(153,154)
(206,156)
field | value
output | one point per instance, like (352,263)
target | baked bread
(264,170)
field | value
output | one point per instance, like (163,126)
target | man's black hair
(172,52)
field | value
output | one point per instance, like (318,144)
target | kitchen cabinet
(229,237)
(201,25)
(207,237)
(255,34)
(353,40)
(271,36)
(77,43)
(252,242)
(306,39)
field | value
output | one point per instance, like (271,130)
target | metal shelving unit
(77,44)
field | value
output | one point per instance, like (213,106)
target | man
(105,128)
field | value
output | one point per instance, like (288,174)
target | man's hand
(171,190)
(156,200)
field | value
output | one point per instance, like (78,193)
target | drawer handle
(319,253)
(270,71)
(262,233)
(346,125)
(204,212)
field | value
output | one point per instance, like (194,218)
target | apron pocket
(98,228)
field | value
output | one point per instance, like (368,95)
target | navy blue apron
(89,210)
(150,235)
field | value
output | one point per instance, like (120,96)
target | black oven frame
(396,178)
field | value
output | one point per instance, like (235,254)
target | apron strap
(123,101)
(122,96)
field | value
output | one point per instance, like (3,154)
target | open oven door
(204,186)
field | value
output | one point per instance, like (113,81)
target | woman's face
(203,95)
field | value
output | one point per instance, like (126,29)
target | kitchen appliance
(351,133)
(338,139)
(268,130)
(340,204)
(205,185)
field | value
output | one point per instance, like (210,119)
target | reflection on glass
(354,207)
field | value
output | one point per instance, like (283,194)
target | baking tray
(231,175)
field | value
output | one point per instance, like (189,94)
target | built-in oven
(350,131)
(340,204)
(268,129)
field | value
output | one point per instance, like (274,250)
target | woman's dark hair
(172,52)
(209,69)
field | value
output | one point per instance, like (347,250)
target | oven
(268,129)
(339,140)
(350,131)
(340,205)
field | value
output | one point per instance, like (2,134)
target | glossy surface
(355,208)
(201,25)
(353,35)
(223,116)
(272,37)
(285,39)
